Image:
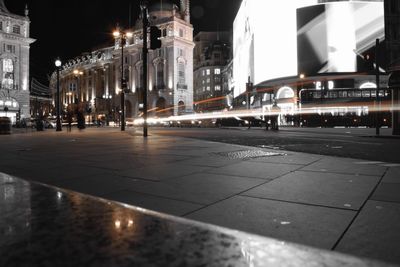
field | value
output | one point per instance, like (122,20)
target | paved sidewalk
(348,205)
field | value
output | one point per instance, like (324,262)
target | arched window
(181,108)
(181,73)
(160,75)
(285,93)
(10,103)
(8,74)
(139,77)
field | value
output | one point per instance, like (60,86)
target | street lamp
(77,74)
(298,100)
(145,52)
(123,37)
(58,64)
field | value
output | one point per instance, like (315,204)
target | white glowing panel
(265,41)
(333,36)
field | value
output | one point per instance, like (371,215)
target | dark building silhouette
(392,37)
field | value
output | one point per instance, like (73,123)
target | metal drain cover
(245,154)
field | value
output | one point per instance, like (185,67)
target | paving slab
(46,226)
(290,158)
(387,192)
(160,172)
(345,166)
(375,232)
(210,161)
(256,169)
(392,176)
(201,188)
(326,189)
(98,185)
(160,204)
(314,226)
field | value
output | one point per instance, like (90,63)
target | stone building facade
(92,81)
(212,54)
(14,64)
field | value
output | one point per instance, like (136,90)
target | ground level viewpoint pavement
(343,204)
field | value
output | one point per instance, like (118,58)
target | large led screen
(265,40)
(336,36)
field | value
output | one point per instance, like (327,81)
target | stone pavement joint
(358,212)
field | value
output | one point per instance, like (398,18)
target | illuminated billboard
(335,37)
(265,40)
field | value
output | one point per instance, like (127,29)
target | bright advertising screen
(336,36)
(265,41)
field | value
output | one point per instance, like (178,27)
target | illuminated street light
(58,64)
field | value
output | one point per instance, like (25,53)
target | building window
(208,88)
(180,32)
(160,76)
(217,71)
(164,32)
(180,52)
(72,87)
(8,74)
(208,72)
(1,25)
(9,48)
(181,73)
(208,80)
(139,78)
(218,88)
(16,29)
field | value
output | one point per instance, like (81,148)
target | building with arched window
(14,64)
(93,81)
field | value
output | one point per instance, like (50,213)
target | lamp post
(249,90)
(145,51)
(377,100)
(302,77)
(58,64)
(122,36)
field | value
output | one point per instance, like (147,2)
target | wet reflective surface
(44,226)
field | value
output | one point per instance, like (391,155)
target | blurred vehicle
(253,121)
(48,124)
(231,122)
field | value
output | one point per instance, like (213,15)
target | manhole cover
(249,154)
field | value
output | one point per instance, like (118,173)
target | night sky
(67,28)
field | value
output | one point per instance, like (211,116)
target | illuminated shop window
(8,74)
(10,103)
